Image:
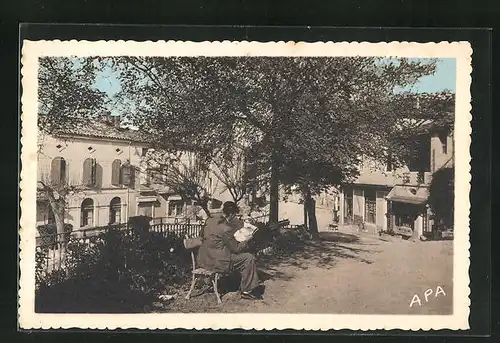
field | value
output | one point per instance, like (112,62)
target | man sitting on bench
(221,252)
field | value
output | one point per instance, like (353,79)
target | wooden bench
(192,244)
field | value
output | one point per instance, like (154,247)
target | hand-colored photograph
(276,184)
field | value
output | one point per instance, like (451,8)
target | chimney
(107,118)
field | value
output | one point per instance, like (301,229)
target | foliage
(183,172)
(291,239)
(48,234)
(117,261)
(66,94)
(322,114)
(293,111)
(231,171)
(442,196)
(57,194)
(420,114)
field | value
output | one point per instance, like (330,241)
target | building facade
(106,167)
(102,162)
(386,199)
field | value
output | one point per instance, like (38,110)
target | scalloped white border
(31,50)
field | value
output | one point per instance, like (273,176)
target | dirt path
(347,273)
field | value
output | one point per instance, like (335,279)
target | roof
(101,129)
(408,194)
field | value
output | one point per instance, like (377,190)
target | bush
(442,196)
(48,234)
(113,268)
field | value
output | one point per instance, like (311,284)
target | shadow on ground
(331,248)
(338,237)
(326,252)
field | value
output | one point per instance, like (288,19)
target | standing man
(221,252)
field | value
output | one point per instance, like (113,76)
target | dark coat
(218,245)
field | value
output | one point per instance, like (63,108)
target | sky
(443,79)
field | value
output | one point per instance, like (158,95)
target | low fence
(49,247)
(172,220)
(181,230)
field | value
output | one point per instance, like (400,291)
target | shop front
(407,211)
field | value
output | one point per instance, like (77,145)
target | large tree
(308,120)
(182,172)
(67,93)
(67,99)
(330,110)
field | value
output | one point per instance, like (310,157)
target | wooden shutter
(64,169)
(89,172)
(55,170)
(115,172)
(127,174)
(97,175)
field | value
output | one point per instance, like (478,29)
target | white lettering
(439,290)
(427,293)
(415,299)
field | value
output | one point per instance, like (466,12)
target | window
(370,205)
(146,209)
(348,205)
(115,209)
(116,179)
(92,173)
(128,175)
(89,172)
(58,171)
(175,208)
(87,212)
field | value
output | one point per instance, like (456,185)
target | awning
(147,199)
(408,194)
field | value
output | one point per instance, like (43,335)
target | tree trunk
(204,206)
(310,205)
(306,224)
(60,241)
(274,191)
(57,207)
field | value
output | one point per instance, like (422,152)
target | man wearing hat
(222,253)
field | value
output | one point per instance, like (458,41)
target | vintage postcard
(245,185)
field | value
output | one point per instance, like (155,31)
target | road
(348,273)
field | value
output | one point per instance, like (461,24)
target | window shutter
(64,168)
(115,172)
(94,172)
(127,174)
(97,175)
(55,170)
(89,172)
